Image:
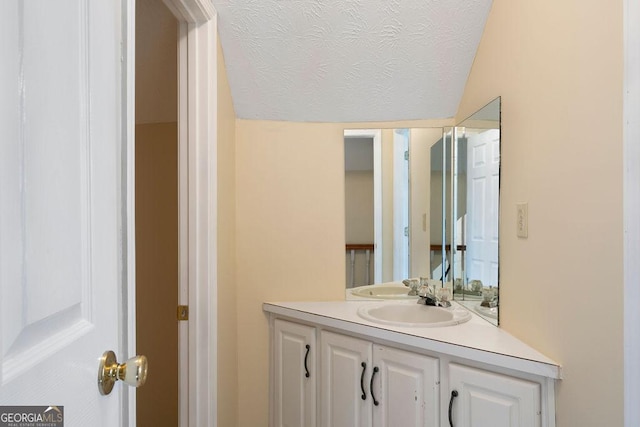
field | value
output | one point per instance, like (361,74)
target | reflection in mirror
(359,204)
(392,230)
(424,202)
(475,187)
(439,201)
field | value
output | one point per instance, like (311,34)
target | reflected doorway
(377,205)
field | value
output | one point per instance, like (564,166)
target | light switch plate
(522,218)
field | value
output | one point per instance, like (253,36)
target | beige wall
(421,141)
(290,233)
(227,313)
(359,206)
(156,65)
(156,211)
(558,68)
(157,270)
(290,236)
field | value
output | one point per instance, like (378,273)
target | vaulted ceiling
(349,60)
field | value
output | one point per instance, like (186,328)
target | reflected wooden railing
(461,248)
(352,248)
(438,248)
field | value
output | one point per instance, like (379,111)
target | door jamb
(197,189)
(128,344)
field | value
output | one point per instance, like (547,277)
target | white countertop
(476,339)
(472,305)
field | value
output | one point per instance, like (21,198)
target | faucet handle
(425,290)
(413,285)
(443,295)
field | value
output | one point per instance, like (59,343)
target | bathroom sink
(413,315)
(382,292)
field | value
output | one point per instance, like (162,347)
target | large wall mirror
(424,202)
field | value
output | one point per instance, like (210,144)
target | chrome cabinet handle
(132,372)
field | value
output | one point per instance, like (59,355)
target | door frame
(197,212)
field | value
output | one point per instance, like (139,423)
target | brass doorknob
(133,372)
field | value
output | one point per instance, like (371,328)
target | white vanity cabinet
(345,368)
(363,375)
(478,398)
(295,374)
(364,384)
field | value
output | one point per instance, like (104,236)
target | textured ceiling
(349,60)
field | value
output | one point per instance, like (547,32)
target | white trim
(183,227)
(378,238)
(128,29)
(376,134)
(202,58)
(192,11)
(197,130)
(548,403)
(631,202)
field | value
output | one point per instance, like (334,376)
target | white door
(483,176)
(486,399)
(295,374)
(407,389)
(63,268)
(346,371)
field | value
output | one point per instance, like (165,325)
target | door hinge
(406,155)
(406,231)
(183,312)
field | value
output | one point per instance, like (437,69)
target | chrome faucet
(413,285)
(428,297)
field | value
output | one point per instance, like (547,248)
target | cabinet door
(294,375)
(406,387)
(343,379)
(487,399)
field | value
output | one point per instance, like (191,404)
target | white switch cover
(522,217)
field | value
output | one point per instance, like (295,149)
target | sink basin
(413,315)
(382,292)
